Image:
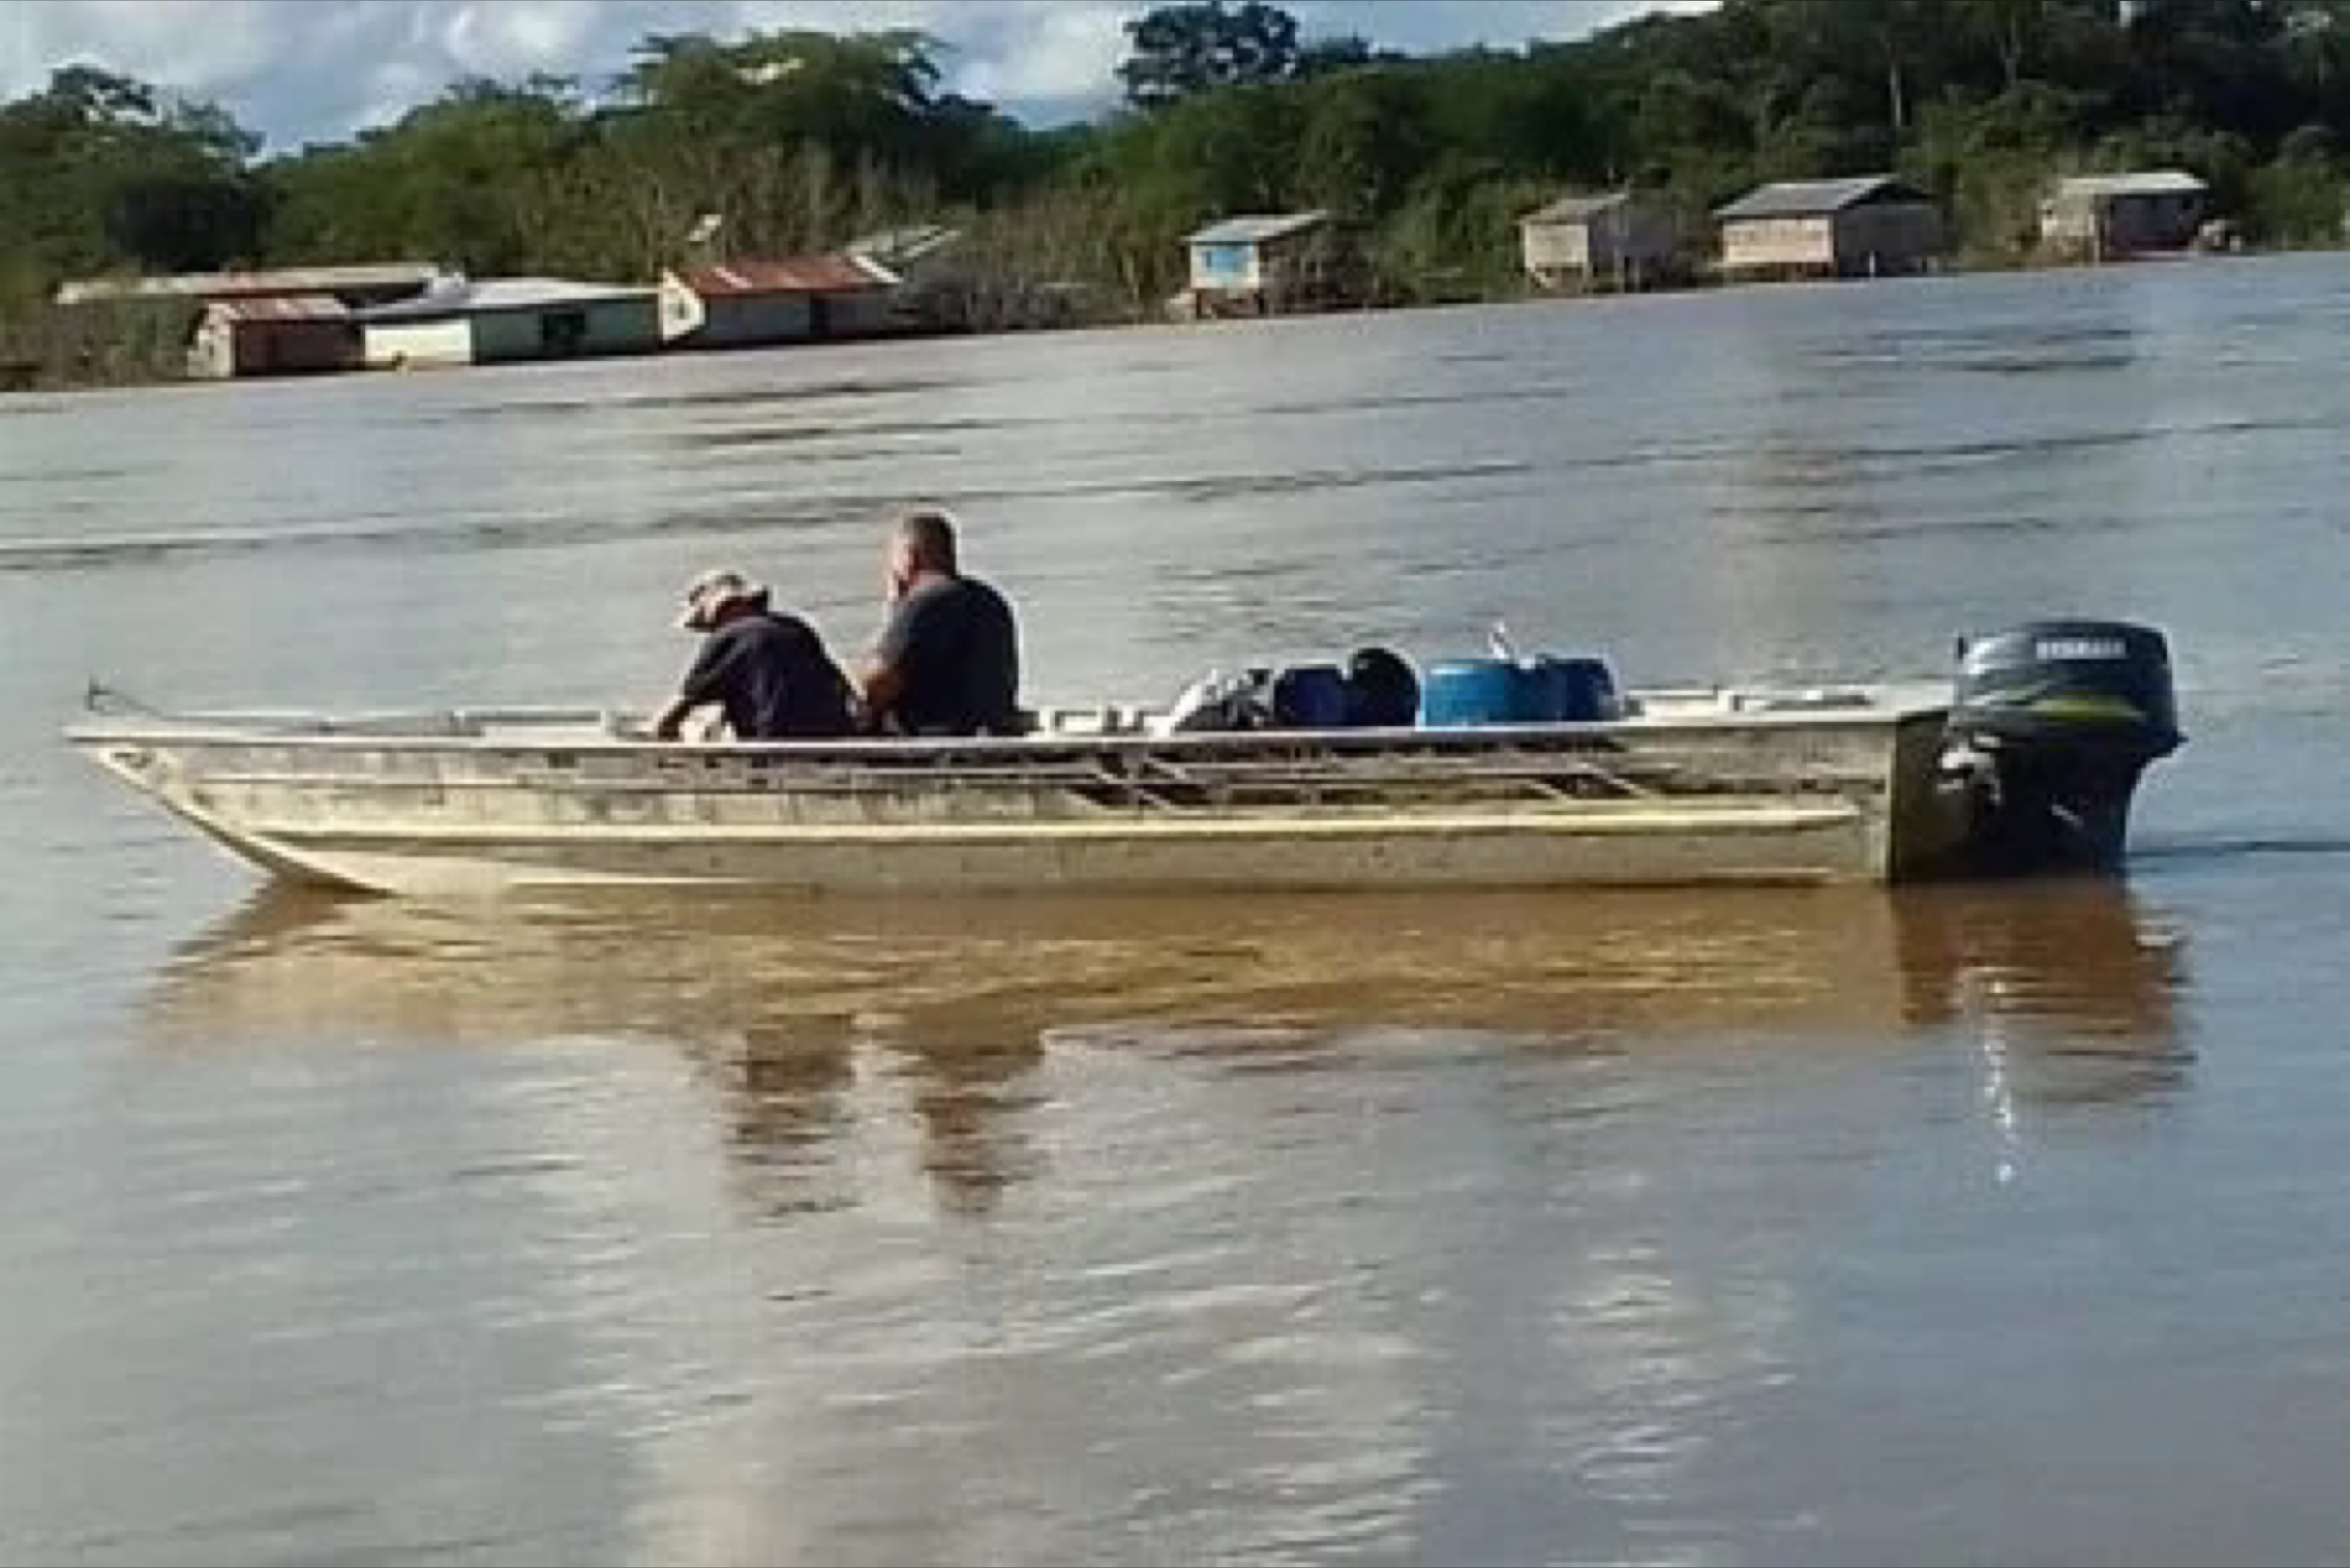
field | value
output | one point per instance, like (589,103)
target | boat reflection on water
(2069,988)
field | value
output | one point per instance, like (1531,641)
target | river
(1837,1226)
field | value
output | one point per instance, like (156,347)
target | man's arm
(879,684)
(703,684)
(880,680)
(670,723)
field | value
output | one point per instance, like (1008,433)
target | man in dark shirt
(948,662)
(768,671)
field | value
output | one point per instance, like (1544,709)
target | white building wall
(1759,244)
(392,344)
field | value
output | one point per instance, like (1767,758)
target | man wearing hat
(768,671)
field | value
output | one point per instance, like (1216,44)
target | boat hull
(486,809)
(1757,845)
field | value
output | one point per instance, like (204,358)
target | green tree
(98,170)
(177,221)
(2011,29)
(1181,51)
(470,180)
(1361,145)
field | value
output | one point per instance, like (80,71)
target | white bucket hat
(711,592)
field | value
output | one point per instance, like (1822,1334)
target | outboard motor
(2050,728)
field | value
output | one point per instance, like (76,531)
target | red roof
(834,274)
(282,307)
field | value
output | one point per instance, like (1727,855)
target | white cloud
(514,40)
(1067,56)
(199,48)
(325,67)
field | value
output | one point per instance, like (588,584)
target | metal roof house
(2105,216)
(356,286)
(273,335)
(941,278)
(1869,226)
(500,320)
(1613,239)
(907,248)
(1261,264)
(794,299)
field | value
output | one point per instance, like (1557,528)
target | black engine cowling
(2050,728)
(2069,682)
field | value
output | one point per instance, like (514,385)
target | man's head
(922,545)
(715,598)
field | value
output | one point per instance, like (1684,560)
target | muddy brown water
(1959,1225)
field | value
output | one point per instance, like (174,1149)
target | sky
(321,69)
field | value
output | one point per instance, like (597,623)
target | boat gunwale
(244,730)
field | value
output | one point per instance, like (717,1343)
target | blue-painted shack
(1259,264)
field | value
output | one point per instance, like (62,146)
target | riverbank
(58,349)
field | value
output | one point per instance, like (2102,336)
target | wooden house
(1873,226)
(1614,240)
(1265,265)
(796,299)
(500,320)
(273,335)
(2101,217)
